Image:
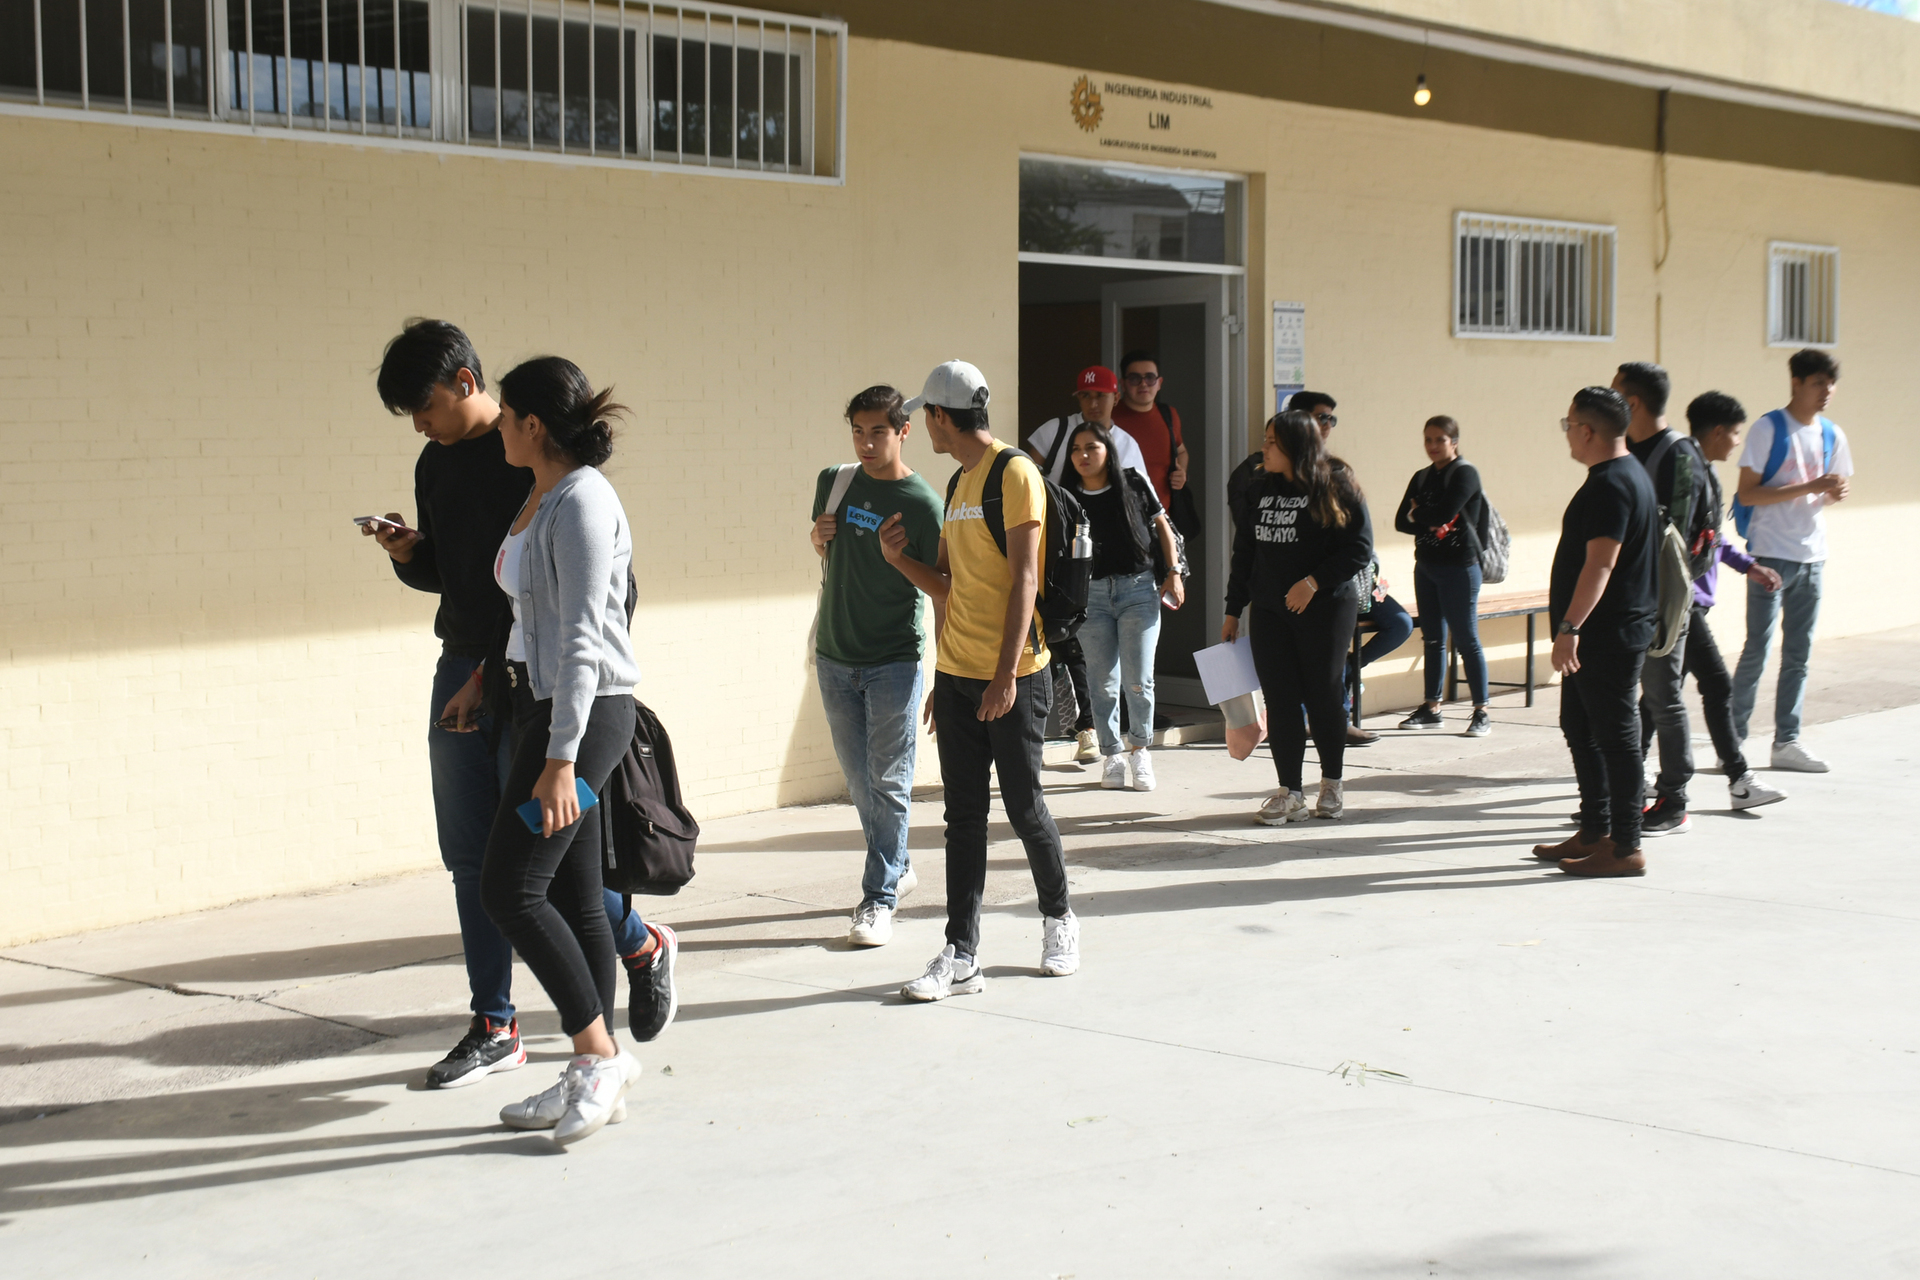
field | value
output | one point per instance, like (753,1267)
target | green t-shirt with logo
(870,613)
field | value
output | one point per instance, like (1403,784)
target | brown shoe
(1607,862)
(1358,737)
(1575,846)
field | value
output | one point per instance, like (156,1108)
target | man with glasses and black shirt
(1602,602)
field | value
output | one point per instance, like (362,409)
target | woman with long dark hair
(1306,535)
(564,565)
(1443,509)
(1122,628)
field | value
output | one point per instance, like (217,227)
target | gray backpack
(1496,544)
(1675,570)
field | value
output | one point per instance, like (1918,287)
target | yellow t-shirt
(977,603)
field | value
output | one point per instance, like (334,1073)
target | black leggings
(544,893)
(1301,659)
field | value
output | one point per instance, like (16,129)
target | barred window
(1530,278)
(1803,295)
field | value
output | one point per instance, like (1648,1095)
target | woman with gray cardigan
(570,662)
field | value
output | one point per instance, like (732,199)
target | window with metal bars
(1803,295)
(1530,278)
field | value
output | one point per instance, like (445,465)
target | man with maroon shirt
(1156,430)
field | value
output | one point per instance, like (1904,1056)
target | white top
(506,572)
(1796,530)
(1123,444)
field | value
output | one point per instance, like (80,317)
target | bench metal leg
(1530,618)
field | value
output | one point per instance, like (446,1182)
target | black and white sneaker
(655,998)
(1665,818)
(1423,717)
(1481,725)
(487,1047)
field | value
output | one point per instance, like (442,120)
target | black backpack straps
(992,495)
(1067,429)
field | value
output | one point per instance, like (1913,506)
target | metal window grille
(1530,278)
(1803,295)
(711,86)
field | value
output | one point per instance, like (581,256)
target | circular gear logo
(1085,104)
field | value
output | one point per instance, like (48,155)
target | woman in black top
(1123,602)
(1444,510)
(1306,535)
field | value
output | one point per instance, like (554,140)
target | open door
(1191,323)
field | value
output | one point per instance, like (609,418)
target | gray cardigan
(573,603)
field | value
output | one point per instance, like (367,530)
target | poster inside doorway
(1289,351)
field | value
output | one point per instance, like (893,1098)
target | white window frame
(1586,315)
(1817,300)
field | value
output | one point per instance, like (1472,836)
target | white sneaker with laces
(1794,756)
(543,1110)
(1088,748)
(906,884)
(1749,792)
(872,925)
(1143,779)
(1332,802)
(946,975)
(1283,807)
(1113,774)
(595,1087)
(1060,945)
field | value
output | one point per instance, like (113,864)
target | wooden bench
(1511,604)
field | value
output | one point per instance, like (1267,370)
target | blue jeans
(1118,637)
(469,771)
(871,713)
(1448,596)
(1799,596)
(1392,624)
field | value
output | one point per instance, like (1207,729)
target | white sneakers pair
(873,922)
(591,1094)
(951,974)
(1283,807)
(1113,775)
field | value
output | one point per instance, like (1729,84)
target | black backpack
(1064,578)
(1696,519)
(648,834)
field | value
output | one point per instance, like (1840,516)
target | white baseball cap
(954,385)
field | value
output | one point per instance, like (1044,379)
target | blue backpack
(1777,458)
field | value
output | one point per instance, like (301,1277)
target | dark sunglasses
(1142,379)
(1327,420)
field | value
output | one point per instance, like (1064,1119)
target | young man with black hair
(991,686)
(1154,427)
(467,496)
(1602,601)
(868,643)
(1795,465)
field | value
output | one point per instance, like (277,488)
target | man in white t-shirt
(1098,391)
(1795,464)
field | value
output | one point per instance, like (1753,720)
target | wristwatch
(1567,629)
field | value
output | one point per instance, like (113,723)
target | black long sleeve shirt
(467,496)
(1280,543)
(1441,494)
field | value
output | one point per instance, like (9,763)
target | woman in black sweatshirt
(1294,559)
(1444,510)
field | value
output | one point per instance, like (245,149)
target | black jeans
(544,892)
(1600,716)
(1068,659)
(1301,659)
(1709,671)
(971,748)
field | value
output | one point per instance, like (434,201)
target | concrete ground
(1392,1046)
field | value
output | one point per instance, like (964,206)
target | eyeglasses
(1327,420)
(1142,379)
(1566,424)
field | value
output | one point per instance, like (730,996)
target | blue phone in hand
(530,811)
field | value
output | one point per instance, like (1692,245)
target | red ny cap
(1097,378)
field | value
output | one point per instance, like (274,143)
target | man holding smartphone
(467,497)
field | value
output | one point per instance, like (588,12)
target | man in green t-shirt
(869,639)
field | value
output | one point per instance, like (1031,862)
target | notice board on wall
(1289,351)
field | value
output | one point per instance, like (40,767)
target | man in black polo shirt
(1602,603)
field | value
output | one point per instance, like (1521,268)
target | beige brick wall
(215,689)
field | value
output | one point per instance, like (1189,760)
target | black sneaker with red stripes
(655,997)
(1665,817)
(487,1047)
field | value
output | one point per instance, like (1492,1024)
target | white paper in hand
(1227,670)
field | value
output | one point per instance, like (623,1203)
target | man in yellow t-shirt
(991,688)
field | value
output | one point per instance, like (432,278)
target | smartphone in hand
(535,820)
(380,524)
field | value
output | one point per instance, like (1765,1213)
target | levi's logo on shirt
(867,520)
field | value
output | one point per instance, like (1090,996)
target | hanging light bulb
(1421,94)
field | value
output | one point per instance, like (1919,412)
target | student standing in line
(1715,420)
(869,642)
(466,494)
(1602,600)
(1123,604)
(991,687)
(1294,559)
(1442,509)
(564,567)
(1155,428)
(1795,464)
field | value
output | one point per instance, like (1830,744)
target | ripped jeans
(1119,636)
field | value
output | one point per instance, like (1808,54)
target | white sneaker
(1113,774)
(595,1087)
(1332,802)
(1060,945)
(1749,792)
(1795,757)
(543,1110)
(946,976)
(1283,807)
(906,884)
(872,925)
(1143,779)
(1088,749)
